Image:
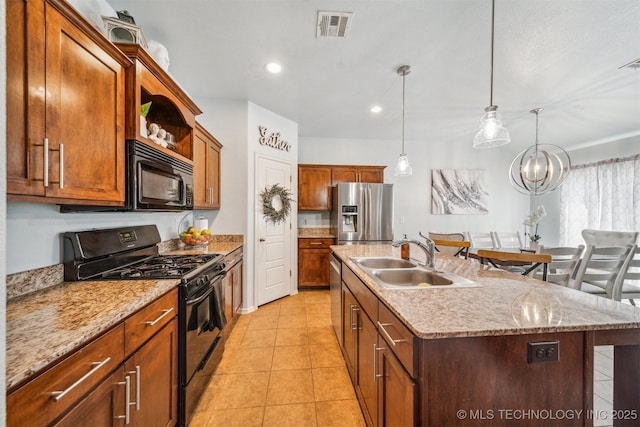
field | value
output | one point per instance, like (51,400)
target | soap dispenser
(404,249)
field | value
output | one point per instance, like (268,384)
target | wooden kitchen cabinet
(232,284)
(206,169)
(350,309)
(153,370)
(314,188)
(396,390)
(171,108)
(94,377)
(65,107)
(313,262)
(357,174)
(315,182)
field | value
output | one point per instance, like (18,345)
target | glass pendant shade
(403,168)
(540,168)
(491,132)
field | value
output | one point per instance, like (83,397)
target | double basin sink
(398,273)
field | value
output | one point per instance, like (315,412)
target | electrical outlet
(545,351)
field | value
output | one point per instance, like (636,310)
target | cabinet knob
(262,239)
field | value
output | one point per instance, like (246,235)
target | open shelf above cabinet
(171,108)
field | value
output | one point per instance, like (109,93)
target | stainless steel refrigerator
(362,213)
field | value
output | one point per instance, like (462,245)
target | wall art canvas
(458,192)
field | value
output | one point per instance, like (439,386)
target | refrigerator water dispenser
(350,219)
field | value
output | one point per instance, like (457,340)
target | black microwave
(157,181)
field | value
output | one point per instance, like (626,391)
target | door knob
(262,239)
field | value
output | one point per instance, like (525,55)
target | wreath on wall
(276,203)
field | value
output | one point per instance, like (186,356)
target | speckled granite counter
(44,325)
(499,307)
(315,233)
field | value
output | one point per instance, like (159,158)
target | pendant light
(403,168)
(540,168)
(491,133)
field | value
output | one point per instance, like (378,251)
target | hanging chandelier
(540,168)
(491,133)
(403,168)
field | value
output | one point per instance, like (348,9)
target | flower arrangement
(532,221)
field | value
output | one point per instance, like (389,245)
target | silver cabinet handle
(61,166)
(375,362)
(57,395)
(353,308)
(315,243)
(384,331)
(164,313)
(46,162)
(127,400)
(137,374)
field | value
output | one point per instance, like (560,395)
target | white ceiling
(562,55)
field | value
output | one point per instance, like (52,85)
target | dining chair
(564,260)
(481,239)
(508,239)
(507,259)
(627,285)
(609,238)
(453,244)
(599,268)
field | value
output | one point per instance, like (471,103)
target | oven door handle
(201,298)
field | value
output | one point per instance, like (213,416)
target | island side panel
(488,380)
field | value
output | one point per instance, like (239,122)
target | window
(601,196)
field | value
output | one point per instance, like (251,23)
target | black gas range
(131,253)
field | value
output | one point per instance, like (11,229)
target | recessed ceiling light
(375,109)
(274,67)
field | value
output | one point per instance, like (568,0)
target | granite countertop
(505,304)
(44,325)
(315,233)
(47,323)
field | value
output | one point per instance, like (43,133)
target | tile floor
(282,367)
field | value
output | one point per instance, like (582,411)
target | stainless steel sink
(411,277)
(398,273)
(384,262)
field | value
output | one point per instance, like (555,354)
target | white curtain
(601,196)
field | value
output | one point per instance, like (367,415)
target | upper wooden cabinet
(171,107)
(206,169)
(314,188)
(315,182)
(357,174)
(65,107)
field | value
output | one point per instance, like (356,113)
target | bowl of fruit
(193,237)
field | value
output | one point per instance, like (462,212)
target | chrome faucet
(429,249)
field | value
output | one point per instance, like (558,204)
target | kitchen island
(513,351)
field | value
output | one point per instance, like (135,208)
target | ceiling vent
(633,64)
(333,24)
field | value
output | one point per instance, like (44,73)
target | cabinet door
(313,267)
(350,310)
(396,391)
(200,189)
(104,406)
(314,188)
(154,379)
(366,386)
(227,285)
(25,96)
(373,174)
(84,115)
(343,174)
(206,169)
(237,287)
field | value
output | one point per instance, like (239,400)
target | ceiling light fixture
(540,168)
(403,168)
(274,67)
(375,109)
(491,133)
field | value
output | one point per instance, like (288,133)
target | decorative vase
(534,245)
(143,126)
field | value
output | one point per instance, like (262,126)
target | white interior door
(273,241)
